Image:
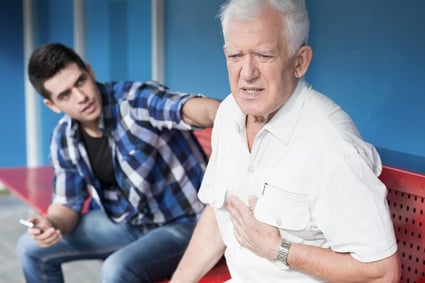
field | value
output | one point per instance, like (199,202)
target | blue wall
(12,94)
(367,57)
(194,57)
(117,38)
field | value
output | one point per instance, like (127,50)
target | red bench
(31,185)
(406,198)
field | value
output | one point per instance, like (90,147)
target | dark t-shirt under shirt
(100,157)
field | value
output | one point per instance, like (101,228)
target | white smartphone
(30,225)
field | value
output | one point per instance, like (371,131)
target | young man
(291,188)
(130,146)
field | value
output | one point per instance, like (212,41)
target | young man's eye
(81,80)
(63,96)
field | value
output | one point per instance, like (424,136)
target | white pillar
(32,111)
(157,40)
(79,28)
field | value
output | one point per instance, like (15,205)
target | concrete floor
(11,210)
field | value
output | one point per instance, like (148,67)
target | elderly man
(291,188)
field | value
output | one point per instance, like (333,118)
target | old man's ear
(303,58)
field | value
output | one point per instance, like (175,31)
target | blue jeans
(130,253)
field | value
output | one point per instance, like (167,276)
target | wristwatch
(281,259)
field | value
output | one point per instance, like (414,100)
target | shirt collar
(283,123)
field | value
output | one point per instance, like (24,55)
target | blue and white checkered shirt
(158,162)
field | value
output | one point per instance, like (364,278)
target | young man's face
(74,92)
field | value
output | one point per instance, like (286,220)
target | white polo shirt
(315,177)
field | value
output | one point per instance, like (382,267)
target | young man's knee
(26,246)
(115,270)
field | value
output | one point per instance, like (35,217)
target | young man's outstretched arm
(200,111)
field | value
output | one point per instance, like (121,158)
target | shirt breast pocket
(283,209)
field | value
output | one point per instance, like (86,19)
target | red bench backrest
(204,138)
(406,200)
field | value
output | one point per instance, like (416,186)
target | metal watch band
(282,255)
